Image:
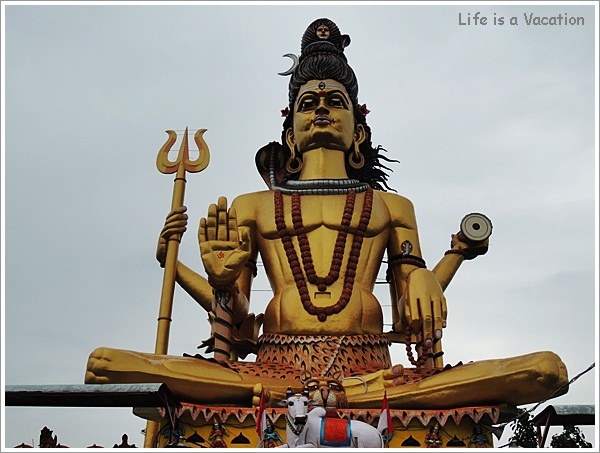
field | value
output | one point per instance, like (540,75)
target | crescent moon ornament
(294,65)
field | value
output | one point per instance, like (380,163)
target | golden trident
(179,166)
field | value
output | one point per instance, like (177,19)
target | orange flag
(261,418)
(385,418)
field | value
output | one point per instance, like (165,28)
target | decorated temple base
(460,427)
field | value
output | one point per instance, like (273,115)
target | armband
(398,260)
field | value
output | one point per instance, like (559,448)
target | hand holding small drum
(475,230)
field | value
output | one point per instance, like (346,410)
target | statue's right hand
(176,223)
(223,249)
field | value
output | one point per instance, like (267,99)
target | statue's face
(323,31)
(323,117)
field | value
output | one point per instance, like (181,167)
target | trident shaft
(179,167)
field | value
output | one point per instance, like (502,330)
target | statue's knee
(552,368)
(98,354)
(99,359)
(94,360)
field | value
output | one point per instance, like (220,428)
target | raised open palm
(224,249)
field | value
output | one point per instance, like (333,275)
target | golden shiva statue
(322,230)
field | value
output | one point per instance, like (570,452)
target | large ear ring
(294,163)
(356,159)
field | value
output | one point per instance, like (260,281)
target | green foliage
(571,437)
(524,433)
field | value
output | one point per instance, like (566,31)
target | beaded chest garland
(338,252)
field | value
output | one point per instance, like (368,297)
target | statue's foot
(256,394)
(394,376)
(390,377)
(189,379)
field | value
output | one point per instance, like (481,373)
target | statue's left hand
(224,251)
(425,305)
(469,250)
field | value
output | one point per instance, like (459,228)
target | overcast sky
(491,119)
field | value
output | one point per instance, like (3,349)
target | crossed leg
(516,381)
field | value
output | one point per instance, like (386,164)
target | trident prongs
(166,166)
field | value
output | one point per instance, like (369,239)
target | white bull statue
(306,429)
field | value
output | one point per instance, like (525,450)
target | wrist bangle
(470,253)
(455,252)
(251,263)
(231,286)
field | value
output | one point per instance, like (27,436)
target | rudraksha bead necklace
(323,282)
(338,251)
(425,354)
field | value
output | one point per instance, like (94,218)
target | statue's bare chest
(316,212)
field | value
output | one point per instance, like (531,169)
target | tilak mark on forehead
(320,87)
